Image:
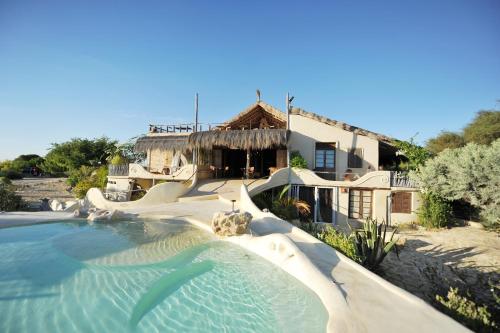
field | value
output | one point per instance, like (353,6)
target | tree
(445,140)
(484,129)
(71,155)
(414,154)
(470,173)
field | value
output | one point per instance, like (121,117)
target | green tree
(445,140)
(414,154)
(484,129)
(71,155)
(297,161)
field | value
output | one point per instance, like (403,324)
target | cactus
(371,243)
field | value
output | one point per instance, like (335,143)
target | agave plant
(371,243)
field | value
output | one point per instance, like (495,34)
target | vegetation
(435,212)
(9,200)
(297,161)
(414,154)
(467,312)
(97,178)
(445,140)
(371,243)
(340,242)
(20,165)
(71,155)
(288,208)
(484,129)
(470,173)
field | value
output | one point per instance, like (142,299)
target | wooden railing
(182,128)
(118,170)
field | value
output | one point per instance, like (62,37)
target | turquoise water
(147,276)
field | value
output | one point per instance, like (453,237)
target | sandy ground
(33,190)
(432,261)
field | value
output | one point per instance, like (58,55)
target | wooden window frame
(325,146)
(398,207)
(355,161)
(360,208)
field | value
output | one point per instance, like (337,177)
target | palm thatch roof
(252,115)
(163,142)
(344,126)
(241,139)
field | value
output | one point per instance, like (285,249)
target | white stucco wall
(306,132)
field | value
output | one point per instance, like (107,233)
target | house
(345,177)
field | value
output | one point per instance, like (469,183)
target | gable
(258,116)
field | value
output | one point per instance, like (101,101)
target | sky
(92,68)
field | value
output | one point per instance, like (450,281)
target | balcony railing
(118,170)
(182,128)
(401,179)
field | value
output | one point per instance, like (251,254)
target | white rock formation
(231,223)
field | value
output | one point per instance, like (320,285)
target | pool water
(144,276)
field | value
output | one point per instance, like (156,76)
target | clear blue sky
(92,68)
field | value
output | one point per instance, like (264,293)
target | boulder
(102,215)
(231,223)
(56,205)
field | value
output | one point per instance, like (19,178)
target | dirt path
(33,190)
(432,261)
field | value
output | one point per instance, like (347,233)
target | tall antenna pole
(287,144)
(195,129)
(196,113)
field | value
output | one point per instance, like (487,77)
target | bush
(288,208)
(79,174)
(434,211)
(97,178)
(340,242)
(118,159)
(297,161)
(471,173)
(484,129)
(11,174)
(9,200)
(462,309)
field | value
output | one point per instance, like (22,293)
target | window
(401,202)
(355,159)
(325,156)
(360,204)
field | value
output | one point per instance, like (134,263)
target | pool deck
(374,305)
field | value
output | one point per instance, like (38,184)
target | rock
(56,205)
(102,215)
(71,206)
(231,223)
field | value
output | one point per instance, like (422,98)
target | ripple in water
(72,277)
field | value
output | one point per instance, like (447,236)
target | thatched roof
(253,114)
(163,142)
(242,139)
(344,126)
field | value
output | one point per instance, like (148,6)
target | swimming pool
(144,276)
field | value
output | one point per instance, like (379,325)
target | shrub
(464,310)
(340,242)
(297,161)
(11,174)
(434,212)
(97,178)
(289,208)
(118,159)
(79,174)
(371,244)
(471,173)
(9,200)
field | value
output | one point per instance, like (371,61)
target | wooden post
(287,146)
(247,169)
(195,151)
